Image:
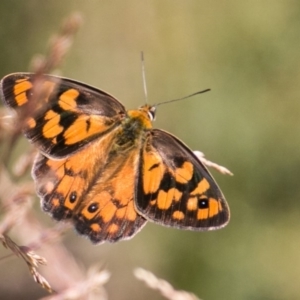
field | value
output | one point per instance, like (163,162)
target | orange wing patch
(23,88)
(185,173)
(202,187)
(67,100)
(166,198)
(31,123)
(85,127)
(178,215)
(153,171)
(20,90)
(52,127)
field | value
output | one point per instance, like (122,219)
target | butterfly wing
(95,194)
(61,115)
(108,212)
(175,189)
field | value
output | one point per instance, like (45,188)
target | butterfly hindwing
(96,195)
(108,211)
(62,115)
(175,189)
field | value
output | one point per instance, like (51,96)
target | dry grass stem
(59,46)
(16,197)
(32,260)
(91,288)
(162,286)
(50,235)
(24,163)
(211,164)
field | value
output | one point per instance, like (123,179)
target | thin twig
(162,286)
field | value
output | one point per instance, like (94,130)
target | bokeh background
(248,53)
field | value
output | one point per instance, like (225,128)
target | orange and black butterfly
(107,169)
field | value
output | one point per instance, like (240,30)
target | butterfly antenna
(144,77)
(188,96)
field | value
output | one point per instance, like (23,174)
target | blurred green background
(248,53)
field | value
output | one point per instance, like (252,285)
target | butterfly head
(149,111)
(144,116)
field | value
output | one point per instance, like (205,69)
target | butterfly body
(107,169)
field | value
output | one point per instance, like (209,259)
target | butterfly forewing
(61,115)
(175,189)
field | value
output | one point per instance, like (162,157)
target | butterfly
(106,168)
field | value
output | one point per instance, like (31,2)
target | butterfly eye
(93,207)
(203,203)
(151,113)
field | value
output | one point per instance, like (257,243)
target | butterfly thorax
(133,126)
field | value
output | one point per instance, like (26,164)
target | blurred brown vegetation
(248,54)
